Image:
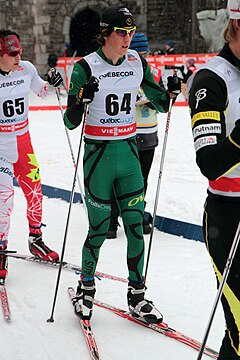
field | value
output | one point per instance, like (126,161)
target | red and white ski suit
(17,156)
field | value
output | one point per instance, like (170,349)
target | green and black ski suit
(111,156)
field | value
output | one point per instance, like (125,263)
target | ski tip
(163,325)
(96,355)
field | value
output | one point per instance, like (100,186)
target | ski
(87,332)
(66,265)
(4,302)
(162,328)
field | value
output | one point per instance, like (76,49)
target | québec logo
(6,170)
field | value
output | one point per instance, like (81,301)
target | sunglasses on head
(15,53)
(123,32)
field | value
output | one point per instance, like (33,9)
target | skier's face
(9,62)
(120,39)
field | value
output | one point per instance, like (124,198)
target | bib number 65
(12,107)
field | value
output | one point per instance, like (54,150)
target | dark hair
(104,32)
(5,32)
(52,60)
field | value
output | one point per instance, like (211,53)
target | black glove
(54,78)
(174,85)
(87,92)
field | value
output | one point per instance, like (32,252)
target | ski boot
(139,307)
(40,250)
(83,301)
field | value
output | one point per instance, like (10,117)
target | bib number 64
(113,105)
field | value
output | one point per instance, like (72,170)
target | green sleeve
(155,93)
(80,76)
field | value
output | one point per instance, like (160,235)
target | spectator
(191,68)
(169,48)
(68,52)
(52,60)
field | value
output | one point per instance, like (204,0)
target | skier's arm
(216,153)
(74,112)
(38,85)
(186,76)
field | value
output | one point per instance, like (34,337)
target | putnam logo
(34,174)
(207,129)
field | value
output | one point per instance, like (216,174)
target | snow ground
(181,281)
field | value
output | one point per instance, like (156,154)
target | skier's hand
(174,85)
(87,92)
(54,77)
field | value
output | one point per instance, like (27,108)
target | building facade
(45,26)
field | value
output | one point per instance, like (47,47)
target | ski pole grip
(51,72)
(176,81)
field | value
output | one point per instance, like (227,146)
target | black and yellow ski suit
(214,102)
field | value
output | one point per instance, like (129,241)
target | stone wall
(166,20)
(44,24)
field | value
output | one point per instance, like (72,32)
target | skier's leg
(219,224)
(6,207)
(26,170)
(112,231)
(98,181)
(130,195)
(146,159)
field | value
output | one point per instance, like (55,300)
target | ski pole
(220,289)
(51,319)
(71,63)
(71,151)
(158,187)
(159,178)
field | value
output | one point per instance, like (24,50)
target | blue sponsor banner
(170,226)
